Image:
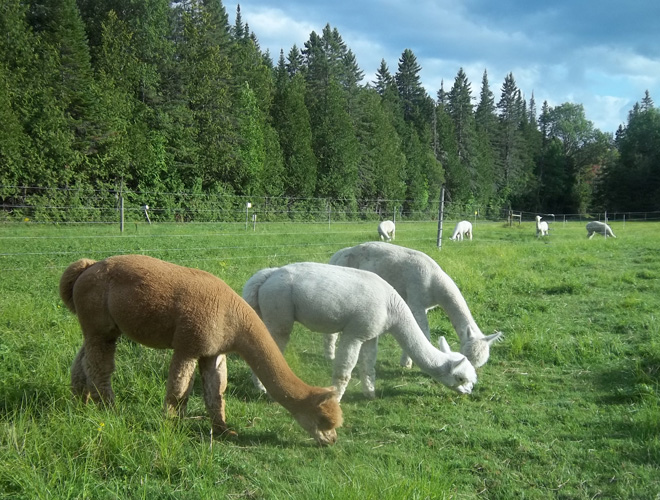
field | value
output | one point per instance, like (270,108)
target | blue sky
(602,54)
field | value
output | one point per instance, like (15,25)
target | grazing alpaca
(541,227)
(594,227)
(423,285)
(359,304)
(386,230)
(463,228)
(165,306)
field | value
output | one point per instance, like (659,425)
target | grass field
(567,406)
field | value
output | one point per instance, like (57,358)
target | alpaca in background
(541,227)
(165,306)
(386,230)
(594,227)
(463,228)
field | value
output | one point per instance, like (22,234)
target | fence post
(121,212)
(441,214)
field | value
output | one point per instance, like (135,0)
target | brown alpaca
(165,306)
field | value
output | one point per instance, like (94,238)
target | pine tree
(411,93)
(460,109)
(513,174)
(292,122)
(381,174)
(384,80)
(336,148)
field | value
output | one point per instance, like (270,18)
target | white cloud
(275,30)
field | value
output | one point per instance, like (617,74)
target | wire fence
(38,205)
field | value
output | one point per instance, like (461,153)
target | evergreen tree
(411,93)
(336,148)
(381,173)
(460,109)
(633,181)
(203,71)
(31,68)
(384,80)
(251,151)
(292,122)
(512,173)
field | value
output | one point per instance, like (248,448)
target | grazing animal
(386,230)
(463,228)
(423,285)
(361,305)
(541,227)
(594,227)
(165,306)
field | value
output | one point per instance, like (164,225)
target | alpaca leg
(329,342)
(367,360)
(423,322)
(182,370)
(98,362)
(214,382)
(346,358)
(78,377)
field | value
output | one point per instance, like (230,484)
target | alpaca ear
(443,345)
(470,333)
(492,338)
(458,363)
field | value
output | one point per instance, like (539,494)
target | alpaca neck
(256,346)
(450,299)
(409,335)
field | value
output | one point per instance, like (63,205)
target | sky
(603,54)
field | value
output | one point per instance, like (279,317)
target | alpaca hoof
(223,432)
(406,363)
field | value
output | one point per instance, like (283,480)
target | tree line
(173,97)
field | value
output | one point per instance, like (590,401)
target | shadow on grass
(37,398)
(635,384)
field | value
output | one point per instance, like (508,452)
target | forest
(167,97)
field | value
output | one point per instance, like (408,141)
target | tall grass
(567,406)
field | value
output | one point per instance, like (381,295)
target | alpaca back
(404,269)
(68,280)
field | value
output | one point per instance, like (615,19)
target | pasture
(567,406)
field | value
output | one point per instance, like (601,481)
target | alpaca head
(459,375)
(476,347)
(320,415)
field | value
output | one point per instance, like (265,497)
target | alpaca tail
(251,288)
(68,279)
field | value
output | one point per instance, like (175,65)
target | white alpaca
(423,285)
(361,305)
(386,230)
(463,228)
(541,227)
(594,227)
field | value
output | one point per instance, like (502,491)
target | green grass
(567,406)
